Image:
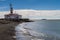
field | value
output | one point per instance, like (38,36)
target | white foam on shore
(25,33)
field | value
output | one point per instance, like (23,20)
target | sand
(7,29)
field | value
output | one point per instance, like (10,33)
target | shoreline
(26,33)
(7,30)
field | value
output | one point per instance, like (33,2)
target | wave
(24,33)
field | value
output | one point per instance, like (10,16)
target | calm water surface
(48,27)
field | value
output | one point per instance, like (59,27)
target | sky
(32,8)
(31,4)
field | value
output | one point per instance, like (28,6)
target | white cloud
(38,14)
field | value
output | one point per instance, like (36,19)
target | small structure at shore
(12,16)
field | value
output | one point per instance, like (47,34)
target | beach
(7,30)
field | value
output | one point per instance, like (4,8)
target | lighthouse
(11,9)
(11,15)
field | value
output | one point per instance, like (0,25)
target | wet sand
(7,29)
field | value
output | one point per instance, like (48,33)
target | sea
(39,30)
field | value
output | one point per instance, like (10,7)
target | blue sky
(31,4)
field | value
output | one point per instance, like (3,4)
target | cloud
(37,14)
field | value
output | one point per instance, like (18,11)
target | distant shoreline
(47,19)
